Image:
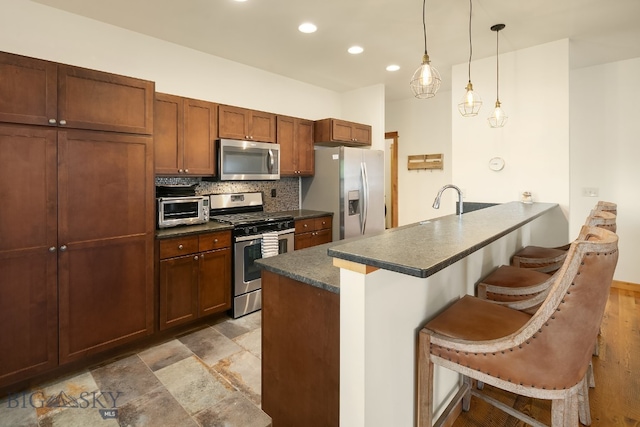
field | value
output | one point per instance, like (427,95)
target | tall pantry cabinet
(76,220)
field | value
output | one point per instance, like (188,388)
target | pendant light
(498,118)
(471,102)
(426,80)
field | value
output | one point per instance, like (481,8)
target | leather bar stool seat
(548,260)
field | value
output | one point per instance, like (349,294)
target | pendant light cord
(470,45)
(497,68)
(424,24)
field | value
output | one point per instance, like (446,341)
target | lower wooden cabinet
(195,277)
(313,231)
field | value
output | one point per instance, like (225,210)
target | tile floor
(208,377)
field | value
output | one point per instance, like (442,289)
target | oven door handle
(256,237)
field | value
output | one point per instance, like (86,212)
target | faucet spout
(436,202)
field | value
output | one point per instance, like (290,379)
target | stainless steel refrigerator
(350,183)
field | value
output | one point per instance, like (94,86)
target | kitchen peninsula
(340,320)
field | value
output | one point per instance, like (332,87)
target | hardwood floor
(615,401)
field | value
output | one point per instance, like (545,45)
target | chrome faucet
(436,202)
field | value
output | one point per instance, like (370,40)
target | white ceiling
(263,33)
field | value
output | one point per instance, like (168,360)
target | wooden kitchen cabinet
(295,137)
(185,131)
(38,92)
(341,132)
(313,231)
(242,123)
(28,267)
(76,254)
(195,277)
(105,238)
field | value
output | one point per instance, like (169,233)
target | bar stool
(548,260)
(510,283)
(544,355)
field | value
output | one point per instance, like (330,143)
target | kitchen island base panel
(300,353)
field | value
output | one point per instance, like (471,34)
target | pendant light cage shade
(426,80)
(471,102)
(498,118)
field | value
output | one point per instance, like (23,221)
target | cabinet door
(321,237)
(341,131)
(214,282)
(303,240)
(304,148)
(178,290)
(362,134)
(262,127)
(233,122)
(89,99)
(168,134)
(28,268)
(200,132)
(28,90)
(105,223)
(286,139)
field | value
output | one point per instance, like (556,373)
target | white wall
(534,92)
(32,29)
(605,150)
(424,127)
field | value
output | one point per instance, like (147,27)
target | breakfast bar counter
(340,320)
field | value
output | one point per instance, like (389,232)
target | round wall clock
(496,164)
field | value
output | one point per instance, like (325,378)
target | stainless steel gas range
(256,234)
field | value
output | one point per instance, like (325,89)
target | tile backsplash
(287,190)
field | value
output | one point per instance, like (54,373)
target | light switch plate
(590,191)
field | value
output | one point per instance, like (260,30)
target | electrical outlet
(273,192)
(590,191)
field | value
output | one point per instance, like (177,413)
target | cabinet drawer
(170,248)
(322,223)
(304,225)
(211,241)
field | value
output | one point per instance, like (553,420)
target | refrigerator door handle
(365,195)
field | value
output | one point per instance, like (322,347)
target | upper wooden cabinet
(38,92)
(241,123)
(184,136)
(341,132)
(295,137)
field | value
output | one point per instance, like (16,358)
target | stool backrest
(607,207)
(602,219)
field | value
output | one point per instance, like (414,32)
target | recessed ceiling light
(354,50)
(393,67)
(307,27)
(240,1)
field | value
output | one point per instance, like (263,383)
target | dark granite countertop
(425,248)
(305,213)
(211,226)
(185,230)
(419,249)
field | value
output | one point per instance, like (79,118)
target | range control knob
(255,229)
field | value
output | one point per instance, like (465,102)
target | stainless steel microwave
(173,211)
(248,160)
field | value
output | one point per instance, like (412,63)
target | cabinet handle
(186,171)
(52,121)
(195,257)
(180,171)
(215,240)
(180,247)
(63,122)
(306,225)
(52,249)
(63,248)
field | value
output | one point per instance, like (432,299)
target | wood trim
(353,266)
(394,177)
(635,287)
